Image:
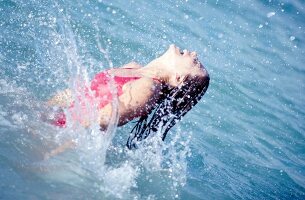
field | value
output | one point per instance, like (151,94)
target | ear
(175,80)
(179,79)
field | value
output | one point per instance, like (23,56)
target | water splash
(93,165)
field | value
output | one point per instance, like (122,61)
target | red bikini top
(102,83)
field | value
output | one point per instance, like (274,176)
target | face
(180,64)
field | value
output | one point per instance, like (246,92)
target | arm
(66,145)
(61,99)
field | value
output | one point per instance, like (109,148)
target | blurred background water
(244,140)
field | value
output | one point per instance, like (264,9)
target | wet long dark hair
(171,107)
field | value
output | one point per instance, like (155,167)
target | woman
(168,86)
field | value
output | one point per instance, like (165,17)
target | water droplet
(220,35)
(270,14)
(292,38)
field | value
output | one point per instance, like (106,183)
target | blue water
(244,140)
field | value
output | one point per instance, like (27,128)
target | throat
(155,74)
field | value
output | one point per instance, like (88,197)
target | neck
(155,70)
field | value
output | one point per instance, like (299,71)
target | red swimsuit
(101,88)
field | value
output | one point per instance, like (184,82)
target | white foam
(119,181)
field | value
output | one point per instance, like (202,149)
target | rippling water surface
(244,140)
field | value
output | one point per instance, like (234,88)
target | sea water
(244,140)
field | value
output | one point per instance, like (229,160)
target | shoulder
(138,98)
(142,90)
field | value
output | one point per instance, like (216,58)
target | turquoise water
(244,140)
